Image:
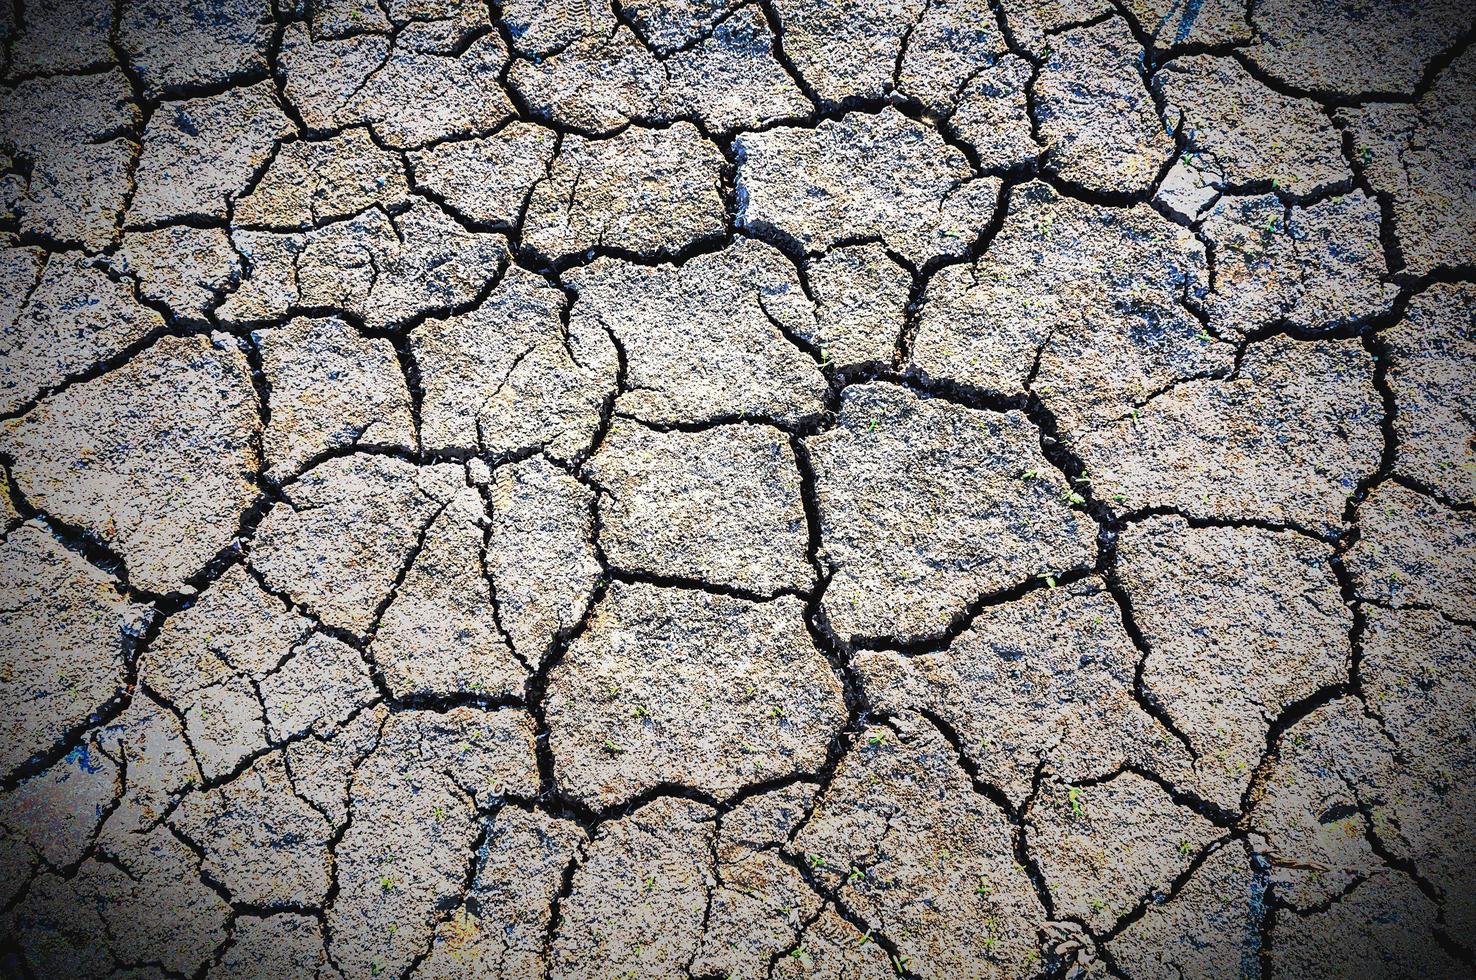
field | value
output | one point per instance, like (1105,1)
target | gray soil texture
(737,489)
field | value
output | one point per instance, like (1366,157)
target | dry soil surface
(737,489)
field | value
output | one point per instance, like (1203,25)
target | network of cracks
(737,488)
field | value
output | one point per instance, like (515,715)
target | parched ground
(737,488)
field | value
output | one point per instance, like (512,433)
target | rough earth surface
(703,489)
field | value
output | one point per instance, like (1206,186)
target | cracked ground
(737,488)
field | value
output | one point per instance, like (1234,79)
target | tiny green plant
(1073,797)
(613,747)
